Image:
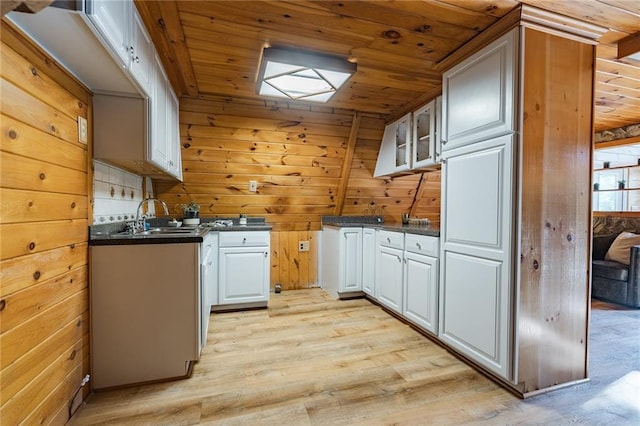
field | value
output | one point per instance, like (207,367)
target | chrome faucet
(143,225)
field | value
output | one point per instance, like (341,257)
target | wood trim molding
(531,17)
(617,142)
(346,164)
(629,45)
(561,25)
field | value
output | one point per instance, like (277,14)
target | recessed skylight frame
(299,75)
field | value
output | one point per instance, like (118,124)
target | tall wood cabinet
(515,231)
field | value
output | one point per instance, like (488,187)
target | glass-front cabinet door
(426,135)
(395,149)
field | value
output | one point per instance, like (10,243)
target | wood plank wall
(555,240)
(44,335)
(296,154)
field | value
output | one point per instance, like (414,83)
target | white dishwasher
(145,312)
(208,281)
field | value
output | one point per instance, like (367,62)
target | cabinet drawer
(422,244)
(245,239)
(391,239)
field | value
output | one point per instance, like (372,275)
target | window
(609,201)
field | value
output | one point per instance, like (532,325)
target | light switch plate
(83,130)
(303,246)
(253,186)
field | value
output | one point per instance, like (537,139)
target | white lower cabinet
(243,268)
(342,260)
(389,278)
(389,269)
(421,290)
(407,277)
(369,262)
(477,259)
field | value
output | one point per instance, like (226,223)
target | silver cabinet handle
(443,142)
(388,240)
(266,253)
(244,240)
(419,247)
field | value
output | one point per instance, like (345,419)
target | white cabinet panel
(422,244)
(244,275)
(173,136)
(141,53)
(158,143)
(421,290)
(476,190)
(391,239)
(478,94)
(389,267)
(475,310)
(477,259)
(113,20)
(245,239)
(369,261)
(350,264)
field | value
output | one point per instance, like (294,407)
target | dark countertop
(112,234)
(376,222)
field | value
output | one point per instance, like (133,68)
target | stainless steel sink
(168,230)
(160,232)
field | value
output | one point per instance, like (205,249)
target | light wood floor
(309,360)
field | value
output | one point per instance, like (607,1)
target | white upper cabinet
(173,135)
(113,21)
(411,142)
(395,149)
(478,95)
(141,52)
(121,27)
(158,142)
(425,135)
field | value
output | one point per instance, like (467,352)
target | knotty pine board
(44,184)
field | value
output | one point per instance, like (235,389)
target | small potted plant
(191,210)
(621,184)
(596,186)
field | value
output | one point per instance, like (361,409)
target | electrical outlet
(253,186)
(83,131)
(303,245)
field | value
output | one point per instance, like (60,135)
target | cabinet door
(395,149)
(389,277)
(350,260)
(421,291)
(211,261)
(141,53)
(476,261)
(424,136)
(158,140)
(173,136)
(368,261)
(113,20)
(478,95)
(244,275)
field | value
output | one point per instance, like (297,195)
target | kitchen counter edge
(419,230)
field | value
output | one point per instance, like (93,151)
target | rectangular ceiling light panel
(297,75)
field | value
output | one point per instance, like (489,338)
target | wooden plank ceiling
(214,47)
